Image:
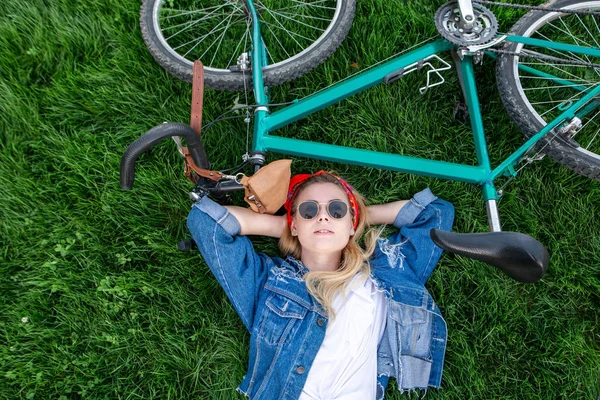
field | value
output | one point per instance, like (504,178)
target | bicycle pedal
(460,111)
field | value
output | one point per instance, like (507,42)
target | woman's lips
(323,232)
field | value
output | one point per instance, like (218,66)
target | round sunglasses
(309,209)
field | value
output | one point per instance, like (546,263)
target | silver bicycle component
(571,128)
(466,11)
(437,72)
(261,108)
(194,196)
(432,70)
(243,62)
(260,158)
(237,177)
(450,24)
(475,48)
(492,213)
(536,157)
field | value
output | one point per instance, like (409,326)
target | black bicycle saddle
(518,255)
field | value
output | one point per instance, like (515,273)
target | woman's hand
(384,214)
(253,223)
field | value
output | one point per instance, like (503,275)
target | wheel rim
(546,98)
(217,32)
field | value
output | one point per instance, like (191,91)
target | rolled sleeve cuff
(413,208)
(220,214)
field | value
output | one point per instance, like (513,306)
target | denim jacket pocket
(280,318)
(414,330)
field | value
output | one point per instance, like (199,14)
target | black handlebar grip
(154,136)
(186,245)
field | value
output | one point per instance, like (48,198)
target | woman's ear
(293,228)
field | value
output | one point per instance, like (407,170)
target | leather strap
(197,96)
(190,166)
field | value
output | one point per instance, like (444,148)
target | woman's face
(322,233)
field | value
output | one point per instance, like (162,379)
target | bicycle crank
(450,25)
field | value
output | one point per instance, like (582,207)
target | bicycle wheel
(532,100)
(298,35)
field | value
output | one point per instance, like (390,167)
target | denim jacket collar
(298,265)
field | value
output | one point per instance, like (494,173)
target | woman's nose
(323,216)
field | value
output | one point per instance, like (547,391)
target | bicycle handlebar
(154,136)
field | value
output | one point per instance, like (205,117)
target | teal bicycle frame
(482,174)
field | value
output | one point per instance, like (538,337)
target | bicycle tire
(521,94)
(282,70)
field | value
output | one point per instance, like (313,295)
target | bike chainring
(449,24)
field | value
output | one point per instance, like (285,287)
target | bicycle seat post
(493,217)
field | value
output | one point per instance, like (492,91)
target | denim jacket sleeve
(412,242)
(230,256)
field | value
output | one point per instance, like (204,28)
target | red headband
(298,180)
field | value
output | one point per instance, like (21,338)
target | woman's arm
(253,223)
(385,214)
(239,269)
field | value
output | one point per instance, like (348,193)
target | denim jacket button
(320,322)
(300,370)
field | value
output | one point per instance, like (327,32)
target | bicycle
(554,99)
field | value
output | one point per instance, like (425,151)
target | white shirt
(345,367)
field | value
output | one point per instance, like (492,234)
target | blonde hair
(324,285)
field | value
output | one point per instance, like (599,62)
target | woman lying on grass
(331,320)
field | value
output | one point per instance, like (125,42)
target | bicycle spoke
(305,16)
(288,32)
(588,31)
(570,99)
(595,23)
(533,103)
(295,20)
(212,44)
(558,87)
(584,126)
(313,4)
(291,34)
(591,141)
(200,39)
(195,22)
(574,38)
(304,6)
(551,79)
(188,12)
(244,36)
(562,54)
(191,22)
(270,56)
(556,67)
(219,45)
(592,36)
(275,36)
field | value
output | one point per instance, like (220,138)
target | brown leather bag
(266,191)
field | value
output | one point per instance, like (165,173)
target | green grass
(95,300)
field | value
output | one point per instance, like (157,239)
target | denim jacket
(287,325)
